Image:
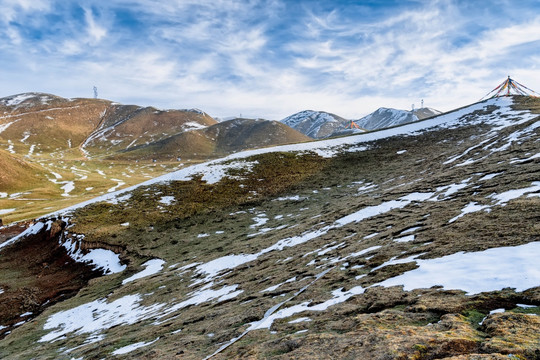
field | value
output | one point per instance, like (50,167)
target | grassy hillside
(51,149)
(284,257)
(45,125)
(125,127)
(16,173)
(218,140)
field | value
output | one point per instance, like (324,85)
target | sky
(269,58)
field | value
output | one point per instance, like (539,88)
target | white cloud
(95,31)
(269,58)
(13,8)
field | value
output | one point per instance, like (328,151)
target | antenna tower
(95,93)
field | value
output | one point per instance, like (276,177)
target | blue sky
(269,58)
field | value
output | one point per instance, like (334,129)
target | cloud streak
(269,58)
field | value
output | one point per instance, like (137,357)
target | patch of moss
(474,317)
(420,352)
(529,310)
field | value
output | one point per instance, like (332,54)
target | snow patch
(118,184)
(129,348)
(102,259)
(97,316)
(32,230)
(387,206)
(151,267)
(6,211)
(503,198)
(470,208)
(167,200)
(299,320)
(476,272)
(407,238)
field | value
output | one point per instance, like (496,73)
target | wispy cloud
(95,31)
(269,58)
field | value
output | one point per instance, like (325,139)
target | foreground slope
(313,251)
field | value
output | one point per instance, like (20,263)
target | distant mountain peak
(315,124)
(386,117)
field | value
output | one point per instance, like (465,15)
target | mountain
(385,117)
(319,124)
(414,242)
(37,123)
(218,140)
(316,124)
(123,127)
(425,112)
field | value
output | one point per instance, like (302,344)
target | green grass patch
(474,317)
(528,310)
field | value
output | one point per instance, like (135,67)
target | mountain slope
(124,127)
(16,172)
(42,124)
(315,124)
(316,250)
(36,123)
(220,139)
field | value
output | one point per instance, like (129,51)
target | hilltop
(394,244)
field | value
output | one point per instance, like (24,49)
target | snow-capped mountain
(395,244)
(315,124)
(385,117)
